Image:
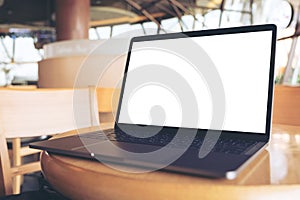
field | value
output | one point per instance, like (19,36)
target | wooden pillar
(72,19)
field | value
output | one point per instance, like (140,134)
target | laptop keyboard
(223,145)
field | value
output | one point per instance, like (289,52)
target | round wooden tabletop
(273,174)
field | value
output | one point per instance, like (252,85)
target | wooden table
(274,174)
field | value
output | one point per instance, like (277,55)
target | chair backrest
(27,113)
(38,112)
(108,99)
(286,108)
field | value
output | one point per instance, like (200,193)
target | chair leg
(17,161)
(17,184)
(5,174)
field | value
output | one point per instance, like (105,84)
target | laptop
(197,103)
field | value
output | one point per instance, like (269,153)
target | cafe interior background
(27,29)
(29,43)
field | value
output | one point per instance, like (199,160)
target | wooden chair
(38,112)
(107,100)
(286,108)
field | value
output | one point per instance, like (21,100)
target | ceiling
(29,12)
(41,12)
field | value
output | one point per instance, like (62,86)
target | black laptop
(198,103)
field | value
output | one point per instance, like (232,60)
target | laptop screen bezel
(222,31)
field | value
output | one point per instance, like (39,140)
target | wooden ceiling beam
(122,20)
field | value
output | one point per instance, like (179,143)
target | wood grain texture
(286,108)
(273,174)
(44,111)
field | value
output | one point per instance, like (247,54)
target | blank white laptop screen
(243,63)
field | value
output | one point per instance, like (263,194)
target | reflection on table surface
(284,153)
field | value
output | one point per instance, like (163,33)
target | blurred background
(29,27)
